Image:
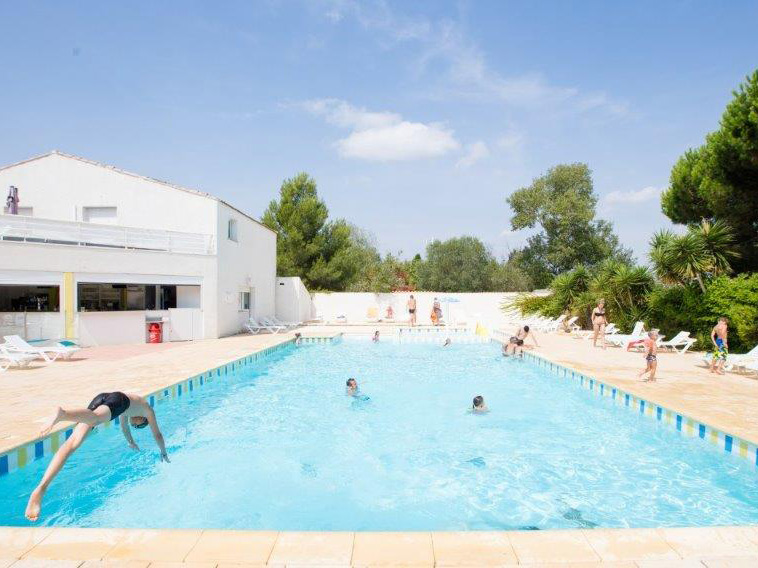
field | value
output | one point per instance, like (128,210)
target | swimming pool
(278,445)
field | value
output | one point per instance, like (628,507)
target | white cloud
(639,196)
(510,141)
(474,152)
(382,136)
(465,72)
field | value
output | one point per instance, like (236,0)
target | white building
(97,253)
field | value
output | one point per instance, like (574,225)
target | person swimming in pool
(352,387)
(479,406)
(133,409)
(375,339)
(447,343)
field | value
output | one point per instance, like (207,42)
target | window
(231,231)
(96,297)
(29,298)
(244,301)
(102,215)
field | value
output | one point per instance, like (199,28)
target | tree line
(705,273)
(338,256)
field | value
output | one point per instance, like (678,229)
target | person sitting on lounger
(133,409)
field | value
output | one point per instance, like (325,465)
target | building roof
(146,178)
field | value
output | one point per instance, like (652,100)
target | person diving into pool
(133,409)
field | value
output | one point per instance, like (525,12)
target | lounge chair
(623,340)
(16,344)
(252,326)
(285,324)
(552,325)
(269,325)
(739,360)
(579,333)
(10,358)
(680,343)
(570,325)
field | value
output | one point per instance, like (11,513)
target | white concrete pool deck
(27,397)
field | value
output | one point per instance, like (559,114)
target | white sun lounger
(739,360)
(285,324)
(552,325)
(10,359)
(623,340)
(610,329)
(680,343)
(15,343)
(270,326)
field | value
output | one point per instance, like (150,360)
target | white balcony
(17,228)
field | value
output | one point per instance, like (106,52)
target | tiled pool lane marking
(690,427)
(20,456)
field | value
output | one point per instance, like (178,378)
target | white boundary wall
(482,307)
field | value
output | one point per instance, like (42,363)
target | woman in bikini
(599,322)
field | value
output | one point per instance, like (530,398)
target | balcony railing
(18,228)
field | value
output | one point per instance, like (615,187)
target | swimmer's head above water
(479,404)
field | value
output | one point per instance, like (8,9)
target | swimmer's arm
(150,415)
(127,432)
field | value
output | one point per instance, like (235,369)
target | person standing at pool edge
(719,337)
(651,355)
(106,406)
(599,321)
(412,310)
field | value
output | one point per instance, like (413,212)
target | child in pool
(375,339)
(479,406)
(354,391)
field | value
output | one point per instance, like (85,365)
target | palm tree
(705,250)
(718,239)
(687,258)
(659,247)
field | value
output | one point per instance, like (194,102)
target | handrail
(35,230)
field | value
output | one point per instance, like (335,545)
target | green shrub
(528,304)
(672,309)
(737,299)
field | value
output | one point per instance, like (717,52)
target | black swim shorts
(117,402)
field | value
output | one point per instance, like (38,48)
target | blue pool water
(280,446)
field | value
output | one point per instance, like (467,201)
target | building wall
(249,264)
(58,187)
(293,302)
(20,264)
(482,307)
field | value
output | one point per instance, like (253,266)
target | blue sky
(416,119)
